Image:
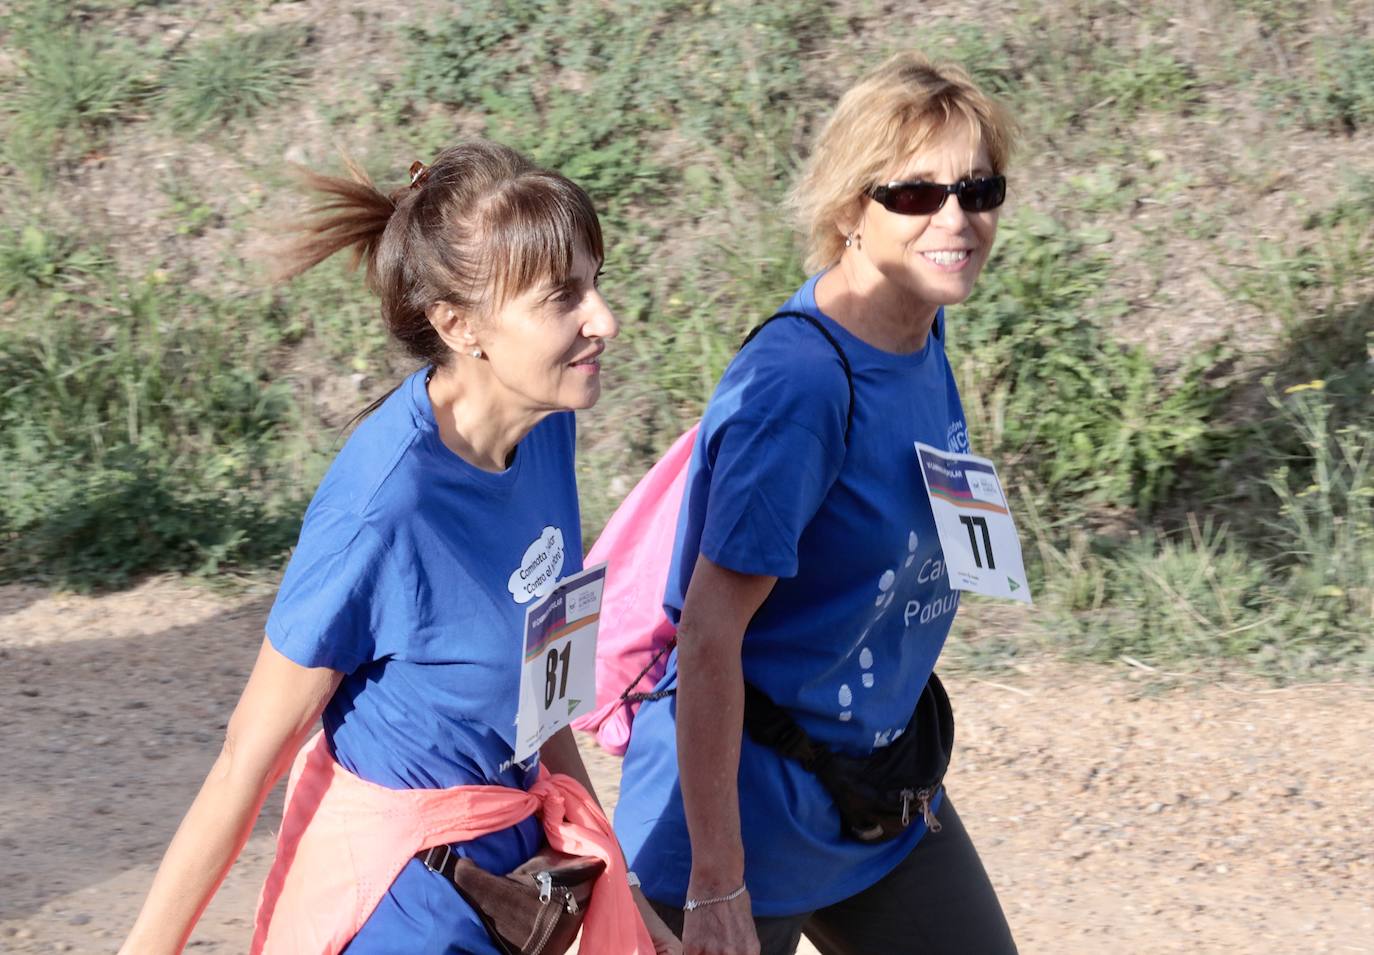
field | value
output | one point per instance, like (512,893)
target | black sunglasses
(926,198)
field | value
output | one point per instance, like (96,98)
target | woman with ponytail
(397,620)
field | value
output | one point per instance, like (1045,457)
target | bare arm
(710,721)
(275,714)
(561,755)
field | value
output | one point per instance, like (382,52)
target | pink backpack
(635,635)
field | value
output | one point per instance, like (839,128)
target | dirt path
(1115,812)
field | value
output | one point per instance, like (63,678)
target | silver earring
(476,353)
(849,240)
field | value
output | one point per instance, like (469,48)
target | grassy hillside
(1171,354)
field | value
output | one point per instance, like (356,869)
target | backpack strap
(630,695)
(819,326)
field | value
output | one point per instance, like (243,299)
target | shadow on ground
(105,743)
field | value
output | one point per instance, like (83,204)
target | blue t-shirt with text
(849,635)
(411,577)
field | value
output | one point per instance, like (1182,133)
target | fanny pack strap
(772,726)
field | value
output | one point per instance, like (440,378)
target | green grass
(1332,88)
(140,424)
(1053,394)
(1195,503)
(73,85)
(232,78)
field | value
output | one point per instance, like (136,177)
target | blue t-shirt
(411,577)
(850,634)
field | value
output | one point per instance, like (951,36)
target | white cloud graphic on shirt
(540,567)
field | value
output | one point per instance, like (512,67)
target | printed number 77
(969,521)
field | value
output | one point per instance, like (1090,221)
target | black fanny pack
(878,795)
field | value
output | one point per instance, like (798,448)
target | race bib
(977,534)
(558,675)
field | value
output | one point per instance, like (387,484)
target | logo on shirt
(956,438)
(913,612)
(539,568)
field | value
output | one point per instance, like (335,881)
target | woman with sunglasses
(401,617)
(807,566)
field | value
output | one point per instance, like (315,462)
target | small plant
(1323,531)
(1192,596)
(188,209)
(147,435)
(73,86)
(34,261)
(1334,89)
(231,78)
(1049,389)
(1150,78)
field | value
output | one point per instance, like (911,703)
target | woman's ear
(454,326)
(850,220)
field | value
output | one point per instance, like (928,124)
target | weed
(147,435)
(1050,390)
(1335,89)
(73,85)
(1323,532)
(231,78)
(34,261)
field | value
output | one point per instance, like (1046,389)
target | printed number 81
(556,684)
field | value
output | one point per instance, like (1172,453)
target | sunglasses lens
(915,198)
(980,195)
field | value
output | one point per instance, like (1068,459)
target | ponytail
(479,226)
(350,214)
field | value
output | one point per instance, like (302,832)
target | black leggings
(938,901)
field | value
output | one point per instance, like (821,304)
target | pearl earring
(476,353)
(849,240)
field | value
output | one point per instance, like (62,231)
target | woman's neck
(874,308)
(477,418)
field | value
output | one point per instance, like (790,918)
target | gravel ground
(1117,810)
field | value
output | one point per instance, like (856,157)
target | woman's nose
(601,322)
(951,215)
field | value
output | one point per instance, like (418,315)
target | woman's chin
(585,397)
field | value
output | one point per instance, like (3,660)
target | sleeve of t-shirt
(768,481)
(775,446)
(338,593)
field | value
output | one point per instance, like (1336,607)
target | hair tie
(419,172)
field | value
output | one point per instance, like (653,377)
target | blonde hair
(880,122)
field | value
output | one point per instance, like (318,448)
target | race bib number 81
(558,673)
(977,534)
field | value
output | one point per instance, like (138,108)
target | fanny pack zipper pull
(925,796)
(906,807)
(545,883)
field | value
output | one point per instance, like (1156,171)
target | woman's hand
(725,928)
(665,942)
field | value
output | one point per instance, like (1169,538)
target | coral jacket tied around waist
(344,840)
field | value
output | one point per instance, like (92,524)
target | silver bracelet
(692,905)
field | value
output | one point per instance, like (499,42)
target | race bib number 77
(977,534)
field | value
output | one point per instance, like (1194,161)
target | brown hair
(480,225)
(879,123)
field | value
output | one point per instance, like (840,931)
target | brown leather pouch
(537,909)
